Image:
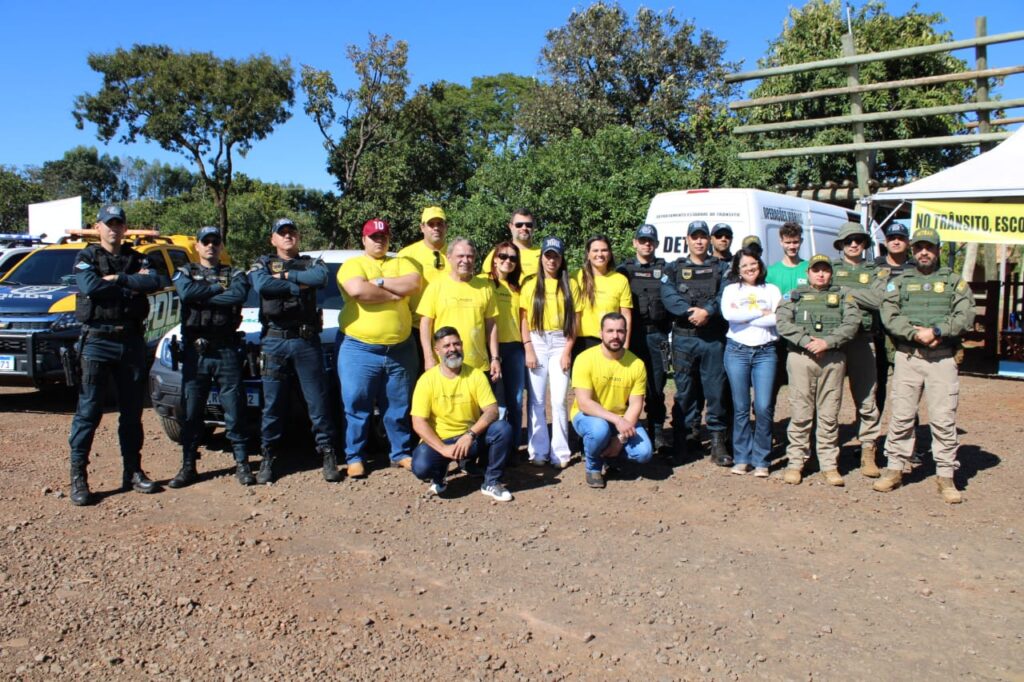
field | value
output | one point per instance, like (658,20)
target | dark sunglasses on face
(437,261)
(288,232)
(854,240)
(508,256)
(528,224)
(211,242)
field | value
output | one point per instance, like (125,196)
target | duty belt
(112,331)
(305,331)
(945,350)
(204,344)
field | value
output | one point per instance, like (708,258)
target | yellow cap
(431,212)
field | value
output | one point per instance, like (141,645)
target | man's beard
(453,361)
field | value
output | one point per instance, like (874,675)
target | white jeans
(549,347)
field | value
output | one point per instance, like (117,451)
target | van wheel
(172,427)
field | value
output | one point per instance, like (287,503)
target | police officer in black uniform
(212,295)
(287,284)
(112,305)
(691,293)
(896,258)
(650,324)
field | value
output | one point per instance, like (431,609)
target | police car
(14,247)
(165,376)
(37,304)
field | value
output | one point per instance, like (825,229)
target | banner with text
(964,221)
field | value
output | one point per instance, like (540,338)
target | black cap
(646,231)
(108,213)
(722,227)
(897,230)
(697,226)
(281,222)
(208,231)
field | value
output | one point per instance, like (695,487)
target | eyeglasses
(211,242)
(855,240)
(287,232)
(438,262)
(508,256)
(524,224)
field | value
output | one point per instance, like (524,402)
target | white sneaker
(761,472)
(496,491)
(740,469)
(436,489)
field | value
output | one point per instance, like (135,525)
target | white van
(747,211)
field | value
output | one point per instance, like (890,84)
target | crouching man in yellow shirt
(610,383)
(456,416)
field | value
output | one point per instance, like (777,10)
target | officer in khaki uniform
(816,320)
(926,309)
(856,274)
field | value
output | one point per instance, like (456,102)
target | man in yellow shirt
(522,226)
(377,358)
(610,383)
(456,416)
(428,253)
(466,302)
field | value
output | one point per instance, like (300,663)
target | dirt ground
(677,573)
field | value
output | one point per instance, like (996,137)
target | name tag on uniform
(913,287)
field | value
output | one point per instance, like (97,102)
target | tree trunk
(970,258)
(222,213)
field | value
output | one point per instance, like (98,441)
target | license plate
(6,363)
(252,397)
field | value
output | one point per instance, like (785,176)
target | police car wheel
(172,428)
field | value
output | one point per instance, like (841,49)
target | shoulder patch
(664,279)
(961,286)
(850,299)
(891,286)
(883,273)
(82,265)
(177,274)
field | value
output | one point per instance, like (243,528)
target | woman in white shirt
(748,304)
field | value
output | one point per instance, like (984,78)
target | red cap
(376,226)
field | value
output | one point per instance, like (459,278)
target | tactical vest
(289,312)
(200,318)
(124,309)
(859,277)
(818,312)
(700,284)
(645,283)
(927,300)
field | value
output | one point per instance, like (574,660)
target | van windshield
(45,267)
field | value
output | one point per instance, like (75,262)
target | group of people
(447,356)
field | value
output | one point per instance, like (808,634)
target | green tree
(83,172)
(155,180)
(815,32)
(16,193)
(654,72)
(192,103)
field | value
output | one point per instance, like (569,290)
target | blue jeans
(510,387)
(372,373)
(597,433)
(493,449)
(652,349)
(221,367)
(283,361)
(751,367)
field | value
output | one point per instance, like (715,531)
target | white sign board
(49,219)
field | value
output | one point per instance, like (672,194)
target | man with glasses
(651,324)
(287,284)
(856,274)
(212,295)
(427,254)
(721,242)
(522,226)
(112,304)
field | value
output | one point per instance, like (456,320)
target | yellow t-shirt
(430,267)
(612,382)
(553,303)
(529,259)
(508,313)
(385,323)
(451,405)
(611,293)
(466,306)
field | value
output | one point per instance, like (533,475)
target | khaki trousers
(860,367)
(815,395)
(934,373)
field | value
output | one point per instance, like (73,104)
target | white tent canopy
(997,175)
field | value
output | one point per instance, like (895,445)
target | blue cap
(647,231)
(697,226)
(208,231)
(553,244)
(281,222)
(108,213)
(897,230)
(722,227)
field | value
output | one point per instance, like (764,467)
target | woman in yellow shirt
(603,290)
(506,272)
(549,317)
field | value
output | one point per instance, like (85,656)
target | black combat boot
(188,474)
(139,482)
(331,473)
(243,473)
(720,454)
(266,472)
(80,494)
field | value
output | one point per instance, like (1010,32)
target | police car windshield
(329,297)
(45,267)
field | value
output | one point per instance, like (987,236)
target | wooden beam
(880,116)
(875,56)
(885,144)
(997,122)
(874,87)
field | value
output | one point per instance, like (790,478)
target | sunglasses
(529,225)
(438,264)
(211,242)
(288,232)
(508,256)
(855,240)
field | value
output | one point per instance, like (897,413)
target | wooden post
(857,108)
(981,86)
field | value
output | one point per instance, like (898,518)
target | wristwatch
(937,332)
(379,281)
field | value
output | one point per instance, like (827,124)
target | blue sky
(44,45)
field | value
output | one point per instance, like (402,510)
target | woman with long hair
(603,291)
(506,273)
(549,319)
(748,305)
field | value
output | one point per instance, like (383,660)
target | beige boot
(832,477)
(356,470)
(868,467)
(950,495)
(890,480)
(792,476)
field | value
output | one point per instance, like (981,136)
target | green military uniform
(942,301)
(816,383)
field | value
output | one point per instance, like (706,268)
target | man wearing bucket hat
(927,310)
(857,274)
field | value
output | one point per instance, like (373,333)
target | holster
(69,360)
